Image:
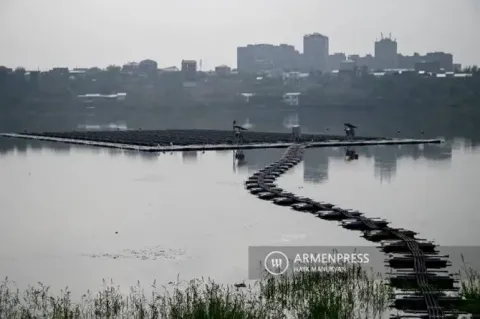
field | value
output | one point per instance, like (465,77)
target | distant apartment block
(445,60)
(130,67)
(223,70)
(59,72)
(366,62)
(409,61)
(334,61)
(255,58)
(386,53)
(348,65)
(430,66)
(315,52)
(189,69)
(148,66)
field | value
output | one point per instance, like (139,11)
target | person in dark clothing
(237,130)
(350,130)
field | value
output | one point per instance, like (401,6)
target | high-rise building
(315,52)
(244,60)
(189,69)
(386,53)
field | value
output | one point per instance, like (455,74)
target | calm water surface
(189,215)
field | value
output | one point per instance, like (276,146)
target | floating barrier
(283,201)
(302,206)
(408,261)
(437,281)
(357,224)
(336,215)
(403,247)
(378,235)
(418,268)
(266,195)
(256,190)
(418,302)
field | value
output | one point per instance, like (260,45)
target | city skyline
(316,56)
(88,33)
(330,54)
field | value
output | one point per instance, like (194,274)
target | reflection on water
(315,169)
(190,156)
(239,161)
(316,161)
(291,121)
(384,159)
(22,147)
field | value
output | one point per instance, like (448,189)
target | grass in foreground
(470,286)
(354,293)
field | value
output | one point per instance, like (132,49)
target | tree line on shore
(149,88)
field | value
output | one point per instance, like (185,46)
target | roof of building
(170,69)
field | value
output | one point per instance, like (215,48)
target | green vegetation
(354,293)
(470,285)
(153,88)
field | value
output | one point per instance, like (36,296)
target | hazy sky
(83,33)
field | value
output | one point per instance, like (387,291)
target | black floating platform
(182,137)
(191,140)
(418,302)
(438,281)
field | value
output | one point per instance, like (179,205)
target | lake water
(74,215)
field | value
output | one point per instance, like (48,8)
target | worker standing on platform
(236,132)
(350,130)
(237,129)
(238,139)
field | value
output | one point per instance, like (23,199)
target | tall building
(386,53)
(315,52)
(245,60)
(189,69)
